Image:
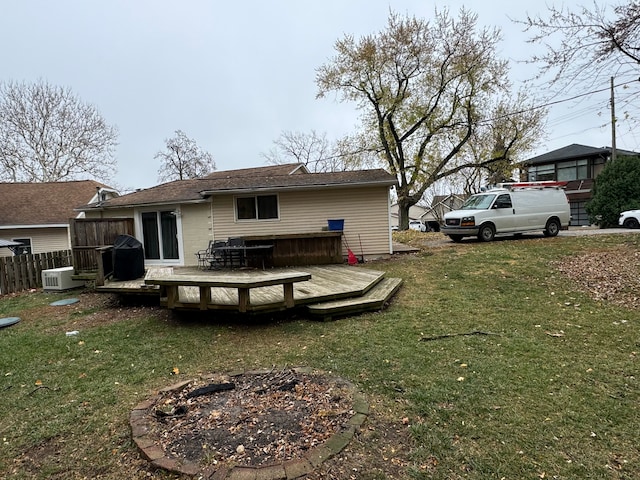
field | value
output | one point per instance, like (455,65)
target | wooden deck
(243,282)
(331,289)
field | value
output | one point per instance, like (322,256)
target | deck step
(374,299)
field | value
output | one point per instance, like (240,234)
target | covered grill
(128,258)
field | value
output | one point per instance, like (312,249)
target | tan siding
(196,230)
(365,211)
(42,239)
(196,226)
(119,213)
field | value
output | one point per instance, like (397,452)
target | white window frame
(140,235)
(255,197)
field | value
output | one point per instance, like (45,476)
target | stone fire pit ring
(168,404)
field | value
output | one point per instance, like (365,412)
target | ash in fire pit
(251,419)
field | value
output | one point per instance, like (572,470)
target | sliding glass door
(160,235)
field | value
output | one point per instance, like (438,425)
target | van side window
(503,201)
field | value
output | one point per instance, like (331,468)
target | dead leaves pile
(609,275)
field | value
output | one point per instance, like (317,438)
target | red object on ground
(351,258)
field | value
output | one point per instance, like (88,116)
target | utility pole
(613,124)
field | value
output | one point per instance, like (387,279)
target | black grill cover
(128,258)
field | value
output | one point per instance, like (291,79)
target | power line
(556,102)
(559,120)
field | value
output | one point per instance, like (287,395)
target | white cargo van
(513,208)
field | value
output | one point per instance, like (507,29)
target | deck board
(374,299)
(328,283)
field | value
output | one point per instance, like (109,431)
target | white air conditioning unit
(59,279)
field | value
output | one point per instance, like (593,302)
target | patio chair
(217,258)
(202,256)
(236,252)
(210,257)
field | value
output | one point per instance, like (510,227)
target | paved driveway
(442,240)
(581,231)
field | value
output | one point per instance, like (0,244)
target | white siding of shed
(50,239)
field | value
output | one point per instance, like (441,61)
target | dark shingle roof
(269,170)
(46,203)
(574,151)
(258,179)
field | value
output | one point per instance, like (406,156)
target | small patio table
(243,283)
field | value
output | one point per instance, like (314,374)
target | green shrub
(616,189)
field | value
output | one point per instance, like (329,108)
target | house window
(23,249)
(573,170)
(259,207)
(160,233)
(540,173)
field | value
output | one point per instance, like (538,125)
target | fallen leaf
(555,334)
(175,371)
(38,382)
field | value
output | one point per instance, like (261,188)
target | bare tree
(183,159)
(318,153)
(590,46)
(47,134)
(426,91)
(310,149)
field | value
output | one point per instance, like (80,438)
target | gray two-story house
(576,164)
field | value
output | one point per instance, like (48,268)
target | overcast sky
(233,75)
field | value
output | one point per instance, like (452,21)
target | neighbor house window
(259,207)
(541,173)
(23,249)
(573,170)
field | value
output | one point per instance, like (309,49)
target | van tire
(486,233)
(552,228)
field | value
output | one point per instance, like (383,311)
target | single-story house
(576,164)
(441,204)
(177,219)
(37,214)
(415,213)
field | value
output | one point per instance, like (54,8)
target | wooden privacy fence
(22,272)
(89,237)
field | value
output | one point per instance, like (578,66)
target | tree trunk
(403,213)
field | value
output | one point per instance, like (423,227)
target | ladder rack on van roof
(537,185)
